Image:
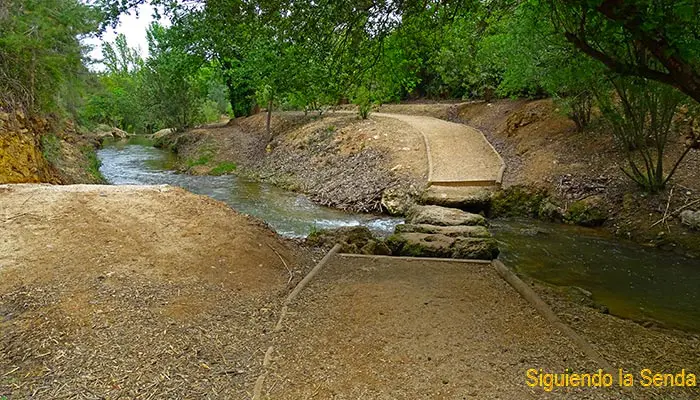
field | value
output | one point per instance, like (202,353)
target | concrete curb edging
(543,308)
(430,157)
(405,258)
(267,361)
(502,170)
(302,284)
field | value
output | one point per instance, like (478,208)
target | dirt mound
(133,291)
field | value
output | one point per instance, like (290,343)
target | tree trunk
(269,118)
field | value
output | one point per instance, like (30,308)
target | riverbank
(35,149)
(337,160)
(137,291)
(555,173)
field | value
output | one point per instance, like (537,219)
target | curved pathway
(458,155)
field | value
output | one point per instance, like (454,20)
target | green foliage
(641,119)
(203,159)
(584,214)
(172,88)
(517,201)
(363,100)
(40,51)
(93,162)
(656,40)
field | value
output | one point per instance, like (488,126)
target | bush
(640,115)
(578,108)
(363,101)
(93,163)
(51,148)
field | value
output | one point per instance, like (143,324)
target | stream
(135,162)
(633,282)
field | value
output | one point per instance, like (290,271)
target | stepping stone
(436,215)
(477,231)
(413,244)
(473,199)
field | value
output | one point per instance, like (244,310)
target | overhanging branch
(617,66)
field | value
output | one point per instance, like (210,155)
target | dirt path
(397,329)
(117,292)
(458,155)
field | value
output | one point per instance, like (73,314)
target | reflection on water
(632,281)
(290,214)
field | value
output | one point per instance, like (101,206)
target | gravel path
(458,154)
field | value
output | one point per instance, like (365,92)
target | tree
(119,58)
(536,60)
(657,40)
(169,82)
(40,50)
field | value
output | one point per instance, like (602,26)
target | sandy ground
(396,329)
(134,292)
(113,292)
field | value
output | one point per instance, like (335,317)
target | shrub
(641,119)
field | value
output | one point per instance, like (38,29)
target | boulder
(397,200)
(163,132)
(588,212)
(120,134)
(354,239)
(102,135)
(548,211)
(420,245)
(436,215)
(451,231)
(475,248)
(691,219)
(414,244)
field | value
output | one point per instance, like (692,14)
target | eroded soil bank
(557,173)
(35,149)
(337,160)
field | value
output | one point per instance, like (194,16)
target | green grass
(223,168)
(203,159)
(93,163)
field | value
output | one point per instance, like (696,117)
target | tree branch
(617,66)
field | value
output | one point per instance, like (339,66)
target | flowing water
(134,162)
(633,282)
